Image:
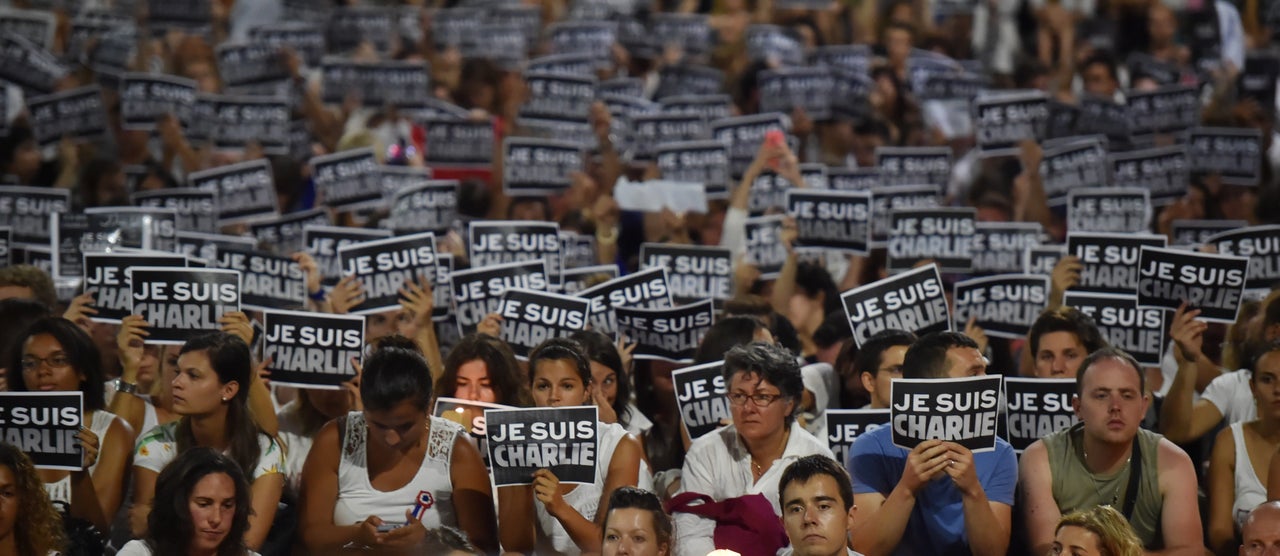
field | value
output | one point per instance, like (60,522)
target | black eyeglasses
(761,400)
(57,361)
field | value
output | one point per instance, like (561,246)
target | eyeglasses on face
(56,361)
(760,400)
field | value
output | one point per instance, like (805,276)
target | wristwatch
(126,387)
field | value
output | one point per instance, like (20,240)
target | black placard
(1212,283)
(29,66)
(960,410)
(507,241)
(348,26)
(709,106)
(458,143)
(135,227)
(705,162)
(578,250)
(743,136)
(1261,244)
(1198,232)
(959,86)
(182,303)
(206,246)
(688,79)
(283,236)
(1165,110)
(246,191)
(71,239)
(768,191)
(190,15)
(267,281)
(1110,260)
(558,97)
(196,208)
(700,398)
(853,179)
(1117,210)
(839,220)
(852,57)
(886,200)
(1073,165)
(1101,116)
(105,274)
(785,89)
(774,45)
(851,96)
(574,281)
(644,289)
(587,37)
(560,439)
(44,426)
(384,265)
(250,64)
(478,291)
(646,131)
(1164,171)
(913,301)
(1261,70)
(913,165)
(76,114)
(1139,332)
(690,32)
(693,272)
(538,167)
(1037,407)
(6,245)
(1041,260)
(1005,305)
(145,98)
(1000,247)
(395,178)
(429,206)
(1234,154)
(1002,121)
(312,350)
(397,83)
(305,39)
(26,210)
(322,242)
(846,425)
(944,235)
(348,180)
(431,107)
(442,308)
(666,334)
(37,26)
(764,248)
(531,317)
(233,122)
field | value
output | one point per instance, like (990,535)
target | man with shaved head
(1260,532)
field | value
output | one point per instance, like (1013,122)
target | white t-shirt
(140,548)
(297,442)
(160,446)
(1230,393)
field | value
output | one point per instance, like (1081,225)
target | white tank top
(1249,490)
(99,423)
(429,493)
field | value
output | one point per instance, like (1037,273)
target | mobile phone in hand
(388,527)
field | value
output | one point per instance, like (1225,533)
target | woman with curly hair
(1101,531)
(203,508)
(29,524)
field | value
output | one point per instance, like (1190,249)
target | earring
(224,399)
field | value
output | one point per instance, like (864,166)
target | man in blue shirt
(939,498)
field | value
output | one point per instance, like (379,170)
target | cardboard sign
(135,227)
(1261,244)
(1102,116)
(478,291)
(495,242)
(960,410)
(623,87)
(246,191)
(384,265)
(700,398)
(853,179)
(195,208)
(1232,153)
(710,106)
(305,39)
(1071,166)
(666,334)
(839,220)
(266,281)
(852,57)
(1198,232)
(1257,79)
(233,122)
(1005,305)
(886,200)
(690,32)
(6,245)
(574,281)
(1145,66)
(441,294)
(205,246)
(1165,110)
(954,86)
(688,79)
(1041,260)
(348,180)
(283,236)
(29,66)
(562,440)
(851,97)
(1164,171)
(145,98)
(944,235)
(312,350)
(744,134)
(37,26)
(322,242)
(430,205)
(531,317)
(1004,120)
(693,272)
(1214,284)
(539,167)
(644,289)
(70,240)
(913,165)
(913,301)
(1000,247)
(1139,332)
(646,131)
(377,85)
(44,426)
(249,64)
(396,178)
(774,45)
(592,37)
(785,89)
(184,14)
(846,425)
(77,114)
(26,210)
(764,248)
(105,274)
(182,303)
(1118,210)
(558,97)
(1110,261)
(577,250)
(468,413)
(458,143)
(704,162)
(1038,407)
(768,191)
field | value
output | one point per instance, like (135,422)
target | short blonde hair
(28,276)
(1115,536)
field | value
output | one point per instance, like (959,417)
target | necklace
(1097,487)
(758,469)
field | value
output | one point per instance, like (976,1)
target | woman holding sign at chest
(58,356)
(568,517)
(379,478)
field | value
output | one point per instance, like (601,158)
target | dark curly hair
(170,527)
(38,529)
(79,349)
(504,372)
(600,349)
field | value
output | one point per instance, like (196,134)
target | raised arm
(1181,419)
(129,341)
(418,301)
(986,522)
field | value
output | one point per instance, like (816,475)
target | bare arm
(1040,511)
(144,492)
(129,340)
(1181,419)
(986,523)
(1222,493)
(264,497)
(1180,512)
(320,494)
(785,286)
(113,462)
(516,519)
(472,500)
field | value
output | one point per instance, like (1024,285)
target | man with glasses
(879,362)
(939,498)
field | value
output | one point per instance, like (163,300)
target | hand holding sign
(1188,333)
(418,300)
(130,342)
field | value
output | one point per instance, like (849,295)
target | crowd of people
(193,449)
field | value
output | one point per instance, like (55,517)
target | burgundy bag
(746,524)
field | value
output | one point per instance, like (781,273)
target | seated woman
(636,524)
(210,391)
(204,508)
(612,382)
(747,457)
(567,520)
(29,524)
(56,355)
(379,478)
(1242,454)
(481,368)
